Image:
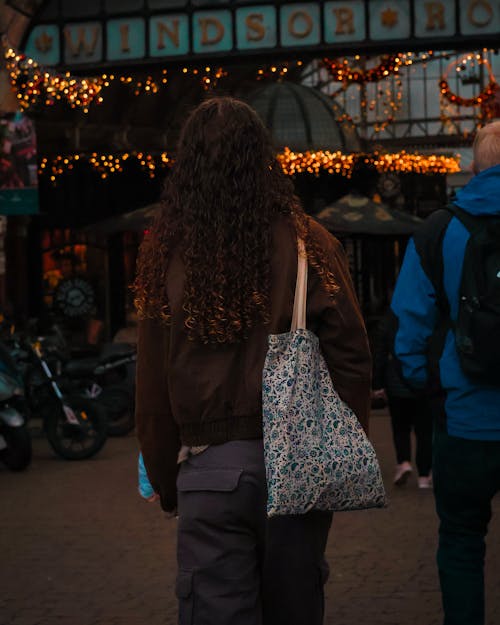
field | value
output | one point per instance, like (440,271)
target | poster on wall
(18,166)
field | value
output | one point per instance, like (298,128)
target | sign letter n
(170,30)
(83,43)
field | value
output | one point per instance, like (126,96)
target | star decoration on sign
(389,18)
(44,42)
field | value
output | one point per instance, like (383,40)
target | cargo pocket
(205,492)
(208,479)
(185,596)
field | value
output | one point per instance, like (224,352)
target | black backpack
(477,329)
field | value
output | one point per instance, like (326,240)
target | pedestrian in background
(409,410)
(447,302)
(216,277)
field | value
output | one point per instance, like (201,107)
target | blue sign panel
(126,39)
(390,20)
(435,17)
(256,27)
(43,44)
(169,35)
(212,31)
(83,43)
(300,24)
(344,22)
(480,16)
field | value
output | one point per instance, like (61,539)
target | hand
(154,498)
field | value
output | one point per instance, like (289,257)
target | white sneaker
(403,472)
(425,481)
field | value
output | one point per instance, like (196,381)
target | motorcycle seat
(116,351)
(82,366)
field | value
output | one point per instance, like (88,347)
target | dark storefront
(105,143)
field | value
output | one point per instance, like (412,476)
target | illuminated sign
(180,29)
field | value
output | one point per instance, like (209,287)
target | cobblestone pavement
(78,547)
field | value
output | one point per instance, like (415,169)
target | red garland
(343,73)
(486,94)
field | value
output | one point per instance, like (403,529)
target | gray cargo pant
(236,567)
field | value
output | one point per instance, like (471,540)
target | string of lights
(487,93)
(103,164)
(339,163)
(277,70)
(292,163)
(38,86)
(408,163)
(388,98)
(341,71)
(35,85)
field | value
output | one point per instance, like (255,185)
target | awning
(134,221)
(357,214)
(352,214)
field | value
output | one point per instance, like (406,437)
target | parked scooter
(76,427)
(15,440)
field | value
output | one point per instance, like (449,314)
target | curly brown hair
(221,197)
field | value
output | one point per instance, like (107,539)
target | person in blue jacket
(466,464)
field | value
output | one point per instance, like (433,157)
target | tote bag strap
(300,301)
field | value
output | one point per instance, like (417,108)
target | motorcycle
(106,377)
(75,426)
(15,440)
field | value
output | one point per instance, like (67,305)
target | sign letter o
(486,13)
(305,21)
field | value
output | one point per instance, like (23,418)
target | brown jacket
(192,394)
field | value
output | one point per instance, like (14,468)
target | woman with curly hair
(216,276)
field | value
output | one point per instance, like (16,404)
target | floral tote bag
(316,452)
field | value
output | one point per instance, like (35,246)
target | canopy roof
(357,214)
(352,214)
(135,221)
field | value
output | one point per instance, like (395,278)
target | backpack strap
(468,220)
(473,223)
(428,241)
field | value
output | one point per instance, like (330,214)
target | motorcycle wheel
(17,455)
(122,424)
(77,441)
(120,410)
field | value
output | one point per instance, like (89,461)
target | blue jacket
(472,411)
